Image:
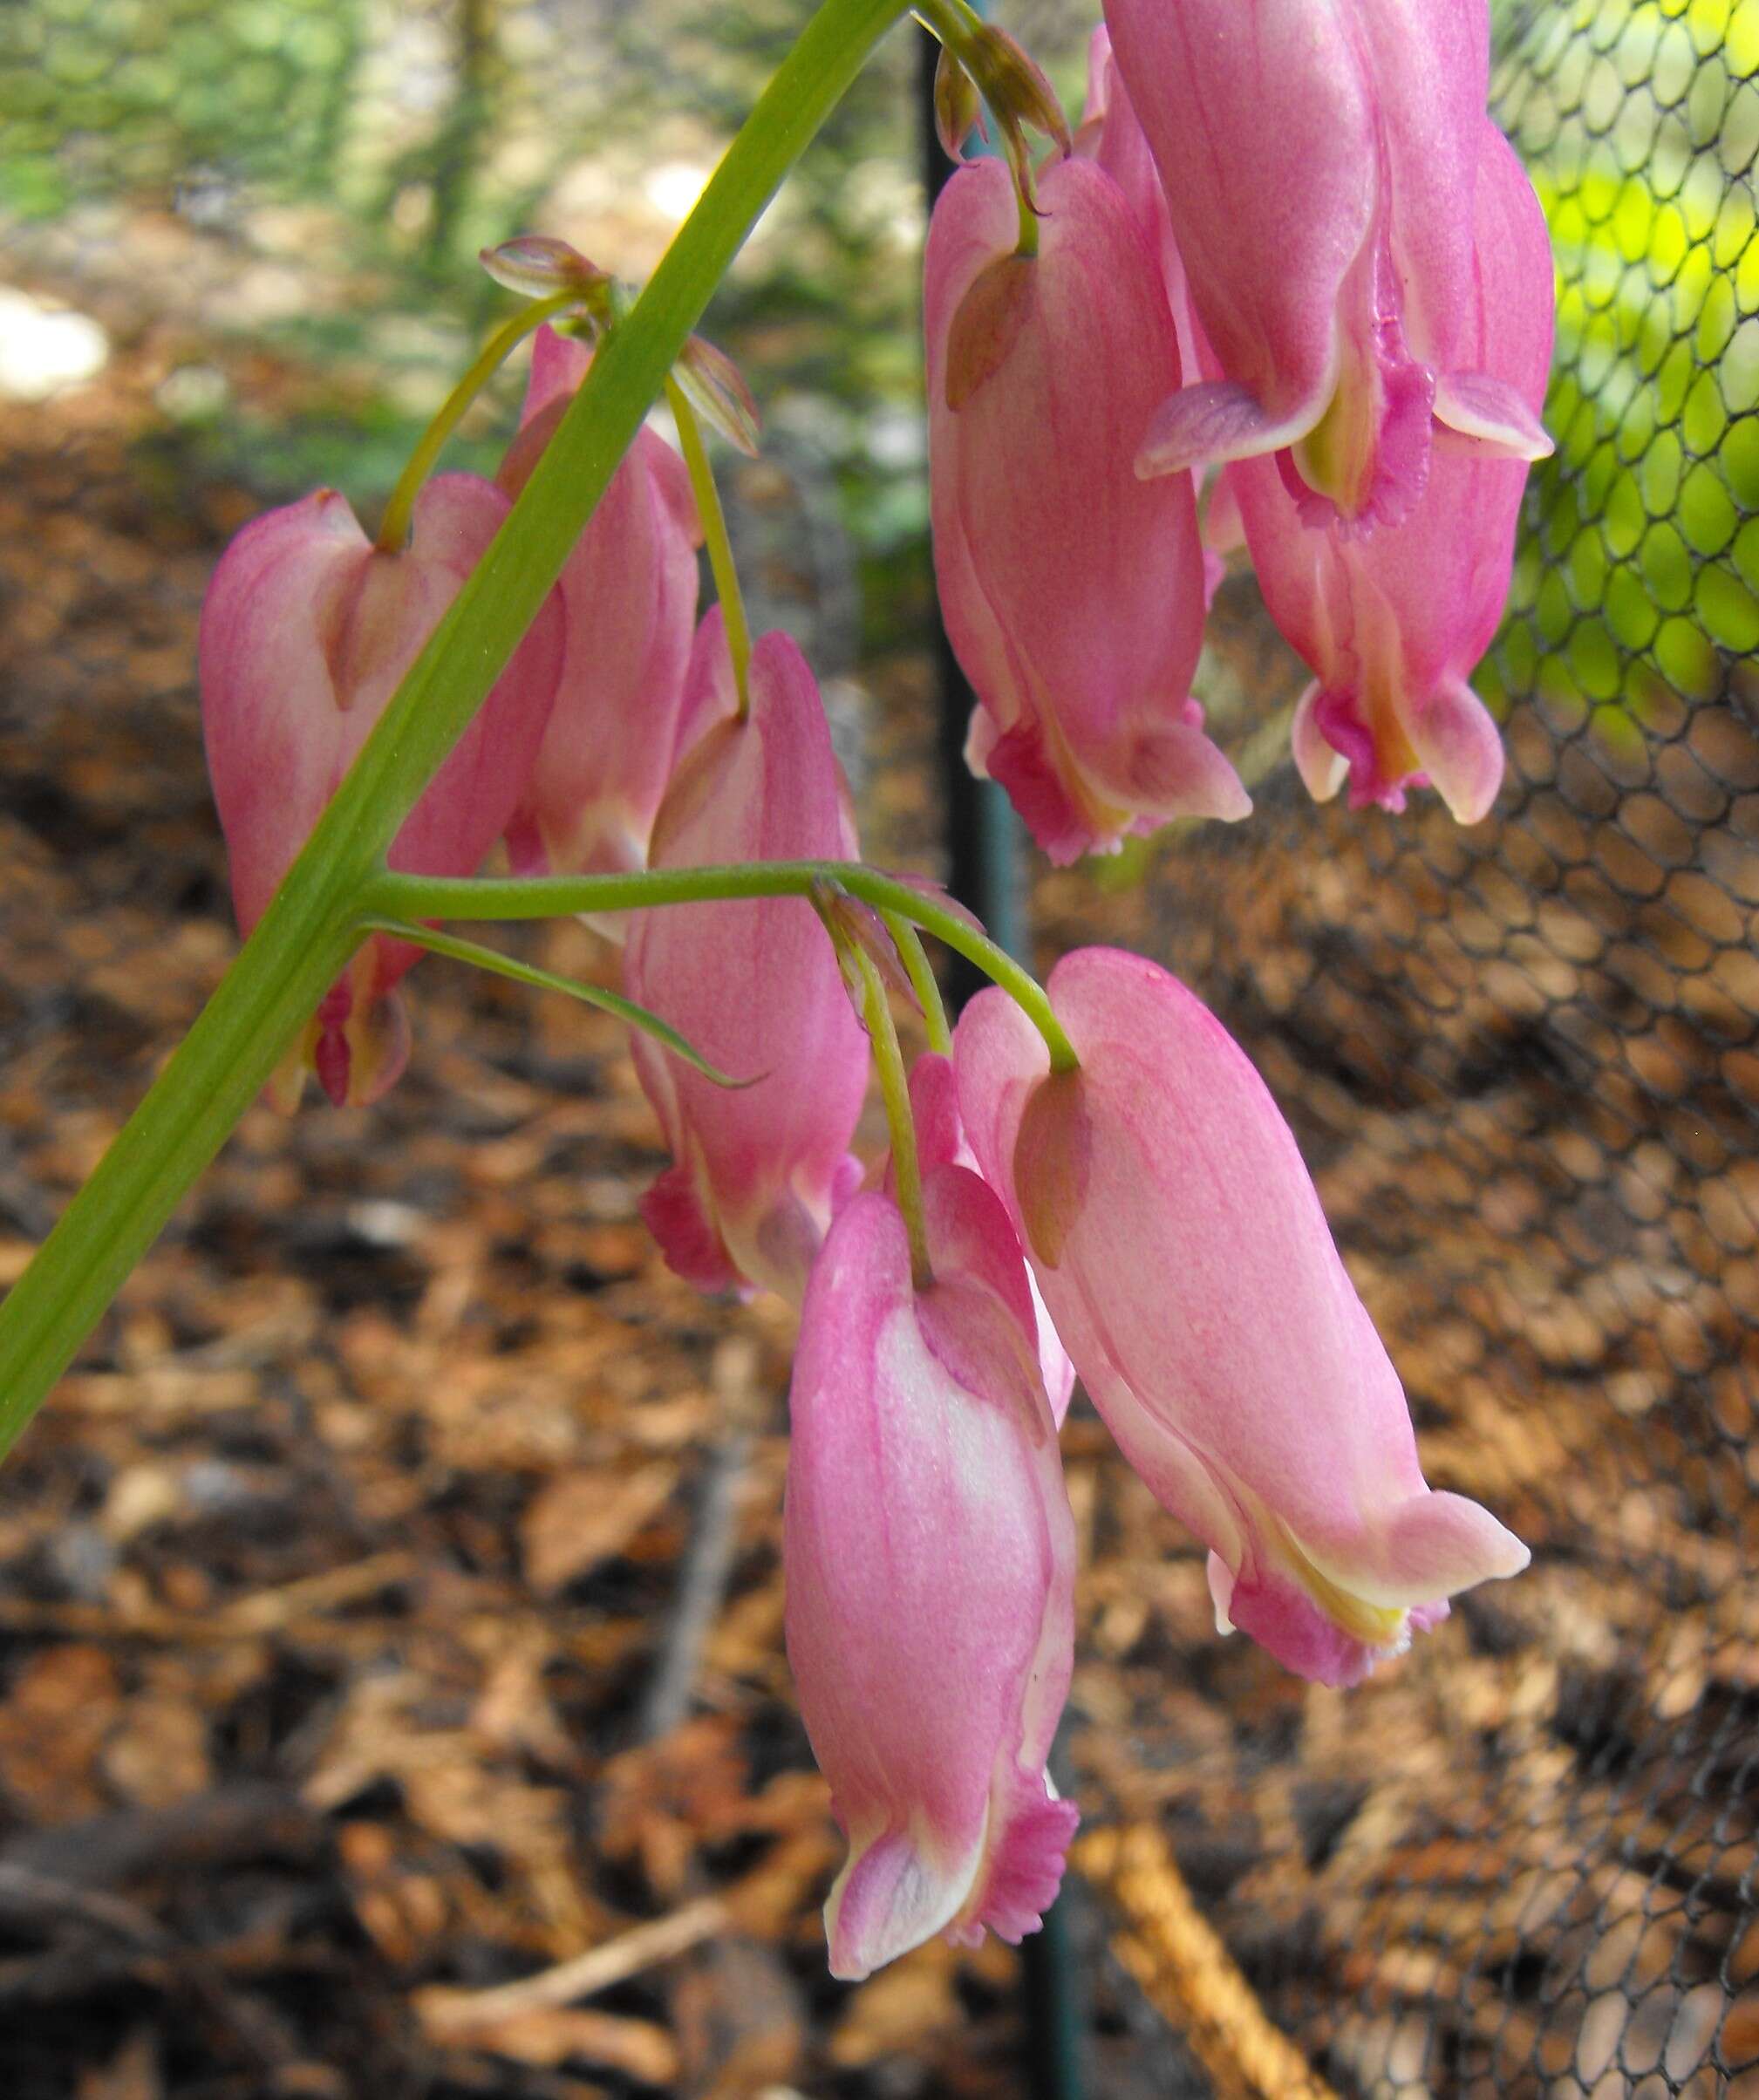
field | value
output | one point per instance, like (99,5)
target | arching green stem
(393,527)
(714,532)
(420,897)
(923,982)
(895,1092)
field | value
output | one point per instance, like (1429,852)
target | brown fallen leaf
(582,1517)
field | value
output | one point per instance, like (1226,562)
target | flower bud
(1392,626)
(1317,157)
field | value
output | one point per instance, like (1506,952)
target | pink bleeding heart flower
(1181,1247)
(1317,157)
(941,1142)
(1073,592)
(1393,626)
(930,1553)
(306,631)
(758,1171)
(629,592)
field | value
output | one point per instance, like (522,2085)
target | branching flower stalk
(420,897)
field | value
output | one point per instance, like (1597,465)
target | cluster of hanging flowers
(1286,248)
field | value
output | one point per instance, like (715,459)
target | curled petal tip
(1477,405)
(1215,421)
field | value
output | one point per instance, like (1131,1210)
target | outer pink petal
(1263,123)
(1319,159)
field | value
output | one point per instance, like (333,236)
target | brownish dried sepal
(538,265)
(959,107)
(715,388)
(984,328)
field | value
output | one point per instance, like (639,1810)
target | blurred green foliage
(103,95)
(1638,578)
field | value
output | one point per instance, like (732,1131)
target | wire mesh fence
(1521,1059)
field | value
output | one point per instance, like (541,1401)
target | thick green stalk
(422,896)
(304,937)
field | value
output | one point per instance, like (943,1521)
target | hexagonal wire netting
(1523,1061)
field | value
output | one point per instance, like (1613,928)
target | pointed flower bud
(1072,592)
(306,632)
(715,388)
(628,595)
(930,1553)
(1392,626)
(756,1175)
(1019,90)
(959,107)
(1181,1247)
(538,265)
(1317,157)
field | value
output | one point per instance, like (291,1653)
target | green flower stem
(714,532)
(422,896)
(895,1092)
(528,974)
(923,982)
(393,528)
(304,938)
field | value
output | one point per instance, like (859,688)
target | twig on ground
(443,2009)
(1188,1975)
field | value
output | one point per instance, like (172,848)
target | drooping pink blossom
(757,1171)
(941,1141)
(929,1555)
(306,631)
(1319,159)
(1072,592)
(629,592)
(1182,1249)
(1392,626)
